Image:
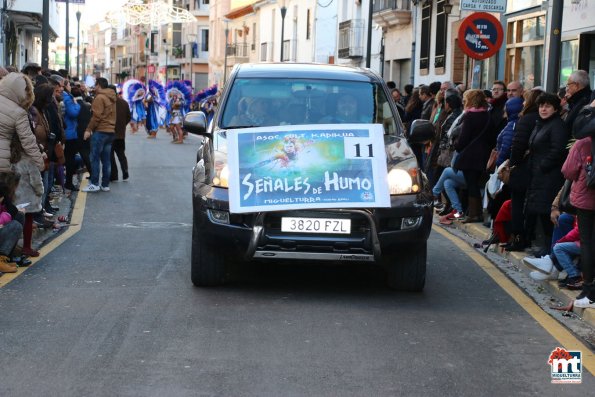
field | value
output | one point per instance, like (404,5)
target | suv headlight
(221,177)
(403,178)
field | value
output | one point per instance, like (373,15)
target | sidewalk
(478,232)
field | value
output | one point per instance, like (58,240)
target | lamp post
(166,66)
(68,67)
(283,13)
(192,39)
(78,41)
(119,70)
(225,61)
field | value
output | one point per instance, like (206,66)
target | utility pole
(67,57)
(78,41)
(45,34)
(369,40)
(553,59)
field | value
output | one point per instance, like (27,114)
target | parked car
(282,94)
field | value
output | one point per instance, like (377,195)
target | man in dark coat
(578,95)
(123,117)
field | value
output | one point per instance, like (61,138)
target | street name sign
(480,35)
(484,5)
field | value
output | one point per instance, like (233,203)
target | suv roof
(305,70)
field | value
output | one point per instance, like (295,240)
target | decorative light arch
(153,13)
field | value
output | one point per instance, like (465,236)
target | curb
(479,232)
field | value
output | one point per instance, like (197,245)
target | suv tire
(406,271)
(208,268)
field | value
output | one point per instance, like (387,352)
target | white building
(22,32)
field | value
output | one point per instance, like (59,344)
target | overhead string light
(153,13)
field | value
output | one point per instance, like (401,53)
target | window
(308,27)
(441,26)
(204,40)
(426,25)
(524,49)
(253,37)
(177,34)
(569,61)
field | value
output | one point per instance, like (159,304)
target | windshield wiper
(229,127)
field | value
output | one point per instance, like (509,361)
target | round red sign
(480,35)
(151,69)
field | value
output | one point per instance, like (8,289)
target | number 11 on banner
(359,148)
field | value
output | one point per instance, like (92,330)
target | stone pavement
(477,232)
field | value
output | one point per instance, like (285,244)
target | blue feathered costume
(134,92)
(154,99)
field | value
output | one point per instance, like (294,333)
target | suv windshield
(261,102)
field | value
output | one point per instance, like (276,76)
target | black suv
(284,94)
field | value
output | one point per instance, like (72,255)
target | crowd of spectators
(519,161)
(44,115)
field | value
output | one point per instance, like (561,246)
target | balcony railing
(381,5)
(388,13)
(237,50)
(351,38)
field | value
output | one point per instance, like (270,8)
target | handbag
(564,204)
(504,172)
(491,165)
(59,152)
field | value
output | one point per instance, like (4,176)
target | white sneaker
(543,264)
(105,188)
(91,188)
(539,276)
(584,303)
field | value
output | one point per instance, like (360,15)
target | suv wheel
(208,266)
(406,270)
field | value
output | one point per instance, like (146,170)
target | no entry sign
(480,35)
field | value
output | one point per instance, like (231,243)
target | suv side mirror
(196,123)
(421,131)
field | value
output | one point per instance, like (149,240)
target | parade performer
(179,97)
(154,100)
(134,92)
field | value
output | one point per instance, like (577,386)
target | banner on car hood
(306,167)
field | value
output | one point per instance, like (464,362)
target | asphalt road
(112,312)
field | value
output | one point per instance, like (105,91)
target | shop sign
(480,35)
(484,5)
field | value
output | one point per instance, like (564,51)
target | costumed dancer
(134,93)
(154,100)
(179,97)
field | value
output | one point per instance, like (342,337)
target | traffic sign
(484,5)
(480,35)
(151,69)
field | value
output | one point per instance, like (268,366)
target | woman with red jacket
(583,199)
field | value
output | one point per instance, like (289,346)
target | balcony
(237,53)
(351,38)
(390,13)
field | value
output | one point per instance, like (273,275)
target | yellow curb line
(76,220)
(551,325)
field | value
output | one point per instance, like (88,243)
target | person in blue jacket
(71,144)
(513,107)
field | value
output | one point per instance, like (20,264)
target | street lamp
(225,61)
(166,66)
(283,13)
(69,65)
(192,39)
(119,70)
(78,41)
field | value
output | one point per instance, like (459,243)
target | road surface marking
(550,324)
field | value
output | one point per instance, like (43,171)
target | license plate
(315,225)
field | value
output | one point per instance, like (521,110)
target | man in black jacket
(578,94)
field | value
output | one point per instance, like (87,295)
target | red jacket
(572,236)
(574,169)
